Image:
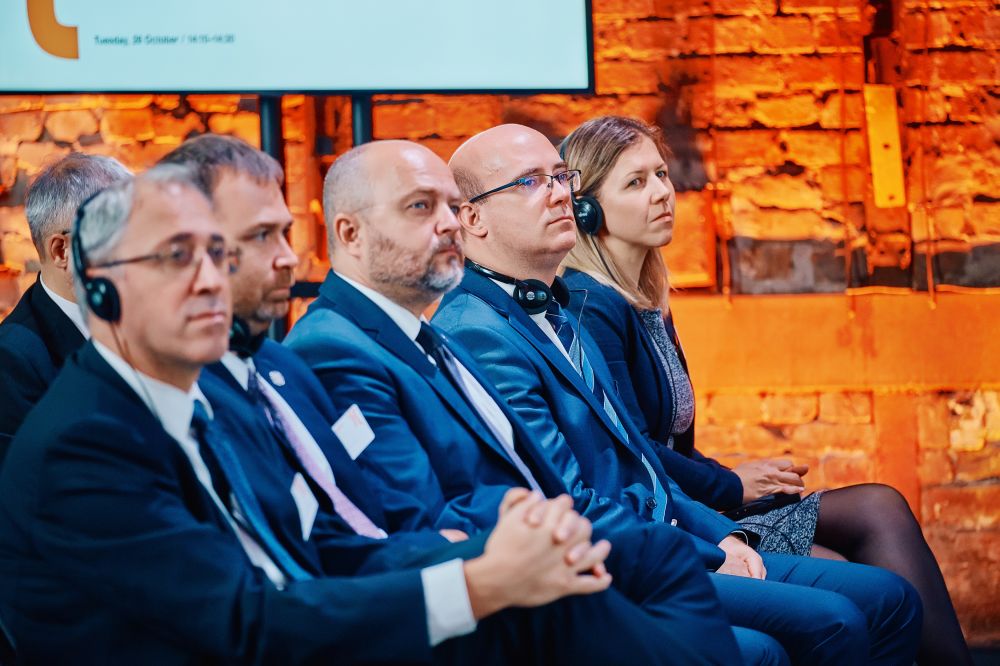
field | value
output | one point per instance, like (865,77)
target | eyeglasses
(531,183)
(183,252)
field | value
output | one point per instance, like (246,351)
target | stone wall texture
(763,104)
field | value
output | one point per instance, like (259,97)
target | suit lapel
(60,334)
(351,303)
(519,320)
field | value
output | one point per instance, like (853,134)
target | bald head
(489,153)
(352,183)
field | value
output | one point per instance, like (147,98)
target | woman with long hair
(620,290)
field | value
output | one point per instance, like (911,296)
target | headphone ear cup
(102,299)
(532,295)
(588,214)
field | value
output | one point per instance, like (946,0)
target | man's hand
(767,477)
(538,552)
(741,560)
(453,536)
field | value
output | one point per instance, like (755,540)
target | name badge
(353,431)
(306,503)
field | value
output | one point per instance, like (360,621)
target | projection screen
(295,46)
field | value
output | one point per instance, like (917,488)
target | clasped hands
(539,551)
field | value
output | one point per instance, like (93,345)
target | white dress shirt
(446,596)
(69,308)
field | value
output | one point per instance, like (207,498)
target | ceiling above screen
(295,46)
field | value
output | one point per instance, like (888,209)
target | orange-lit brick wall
(761,101)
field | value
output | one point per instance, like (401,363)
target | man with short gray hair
(46,325)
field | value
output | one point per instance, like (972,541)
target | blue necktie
(221,452)
(564,331)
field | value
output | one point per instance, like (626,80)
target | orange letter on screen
(55,38)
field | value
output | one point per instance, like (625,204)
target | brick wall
(761,101)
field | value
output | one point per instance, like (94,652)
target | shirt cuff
(449,611)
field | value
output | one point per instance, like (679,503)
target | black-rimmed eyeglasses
(182,253)
(532,182)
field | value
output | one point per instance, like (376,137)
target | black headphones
(102,296)
(241,341)
(532,295)
(586,209)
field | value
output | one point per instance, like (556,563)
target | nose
(286,257)
(208,278)
(663,190)
(447,222)
(559,193)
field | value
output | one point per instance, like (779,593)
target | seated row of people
(338,497)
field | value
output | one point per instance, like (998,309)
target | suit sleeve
(701,478)
(515,378)
(395,462)
(113,520)
(21,386)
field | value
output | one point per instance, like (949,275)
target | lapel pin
(276,378)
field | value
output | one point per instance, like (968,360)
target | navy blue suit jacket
(644,387)
(428,442)
(434,456)
(36,338)
(111,551)
(573,428)
(272,466)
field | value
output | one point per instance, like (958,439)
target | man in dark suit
(518,223)
(46,325)
(437,427)
(129,532)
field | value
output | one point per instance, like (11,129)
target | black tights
(872,524)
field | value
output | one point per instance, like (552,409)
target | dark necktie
(435,347)
(216,448)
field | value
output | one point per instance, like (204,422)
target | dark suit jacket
(112,552)
(577,434)
(35,340)
(428,442)
(644,387)
(272,466)
(442,464)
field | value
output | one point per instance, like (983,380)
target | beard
(394,266)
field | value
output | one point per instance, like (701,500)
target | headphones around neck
(101,293)
(241,341)
(532,295)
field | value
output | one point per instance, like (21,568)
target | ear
(472,223)
(347,234)
(58,249)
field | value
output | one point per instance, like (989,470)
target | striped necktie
(561,324)
(278,414)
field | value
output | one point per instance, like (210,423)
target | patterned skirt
(789,529)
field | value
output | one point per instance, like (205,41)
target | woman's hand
(768,477)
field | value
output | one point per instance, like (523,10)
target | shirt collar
(171,406)
(406,320)
(68,308)
(239,368)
